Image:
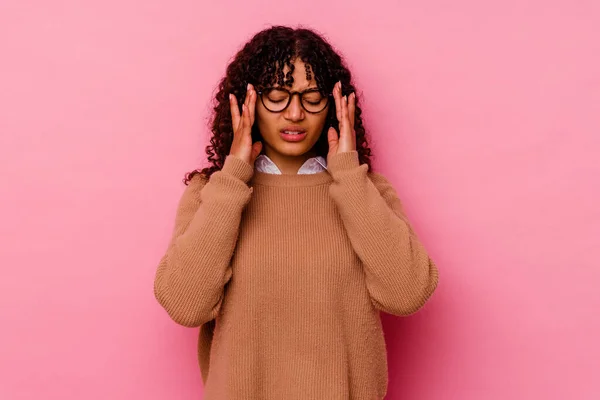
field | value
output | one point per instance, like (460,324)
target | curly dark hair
(261,62)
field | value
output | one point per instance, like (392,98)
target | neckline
(263,163)
(291,180)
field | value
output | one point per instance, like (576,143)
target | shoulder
(196,182)
(380,181)
(191,193)
(189,201)
(386,190)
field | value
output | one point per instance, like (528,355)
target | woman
(287,247)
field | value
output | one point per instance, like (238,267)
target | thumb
(332,139)
(256,149)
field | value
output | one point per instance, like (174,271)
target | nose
(294,112)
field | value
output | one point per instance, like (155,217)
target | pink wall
(486,116)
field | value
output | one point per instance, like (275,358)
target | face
(279,145)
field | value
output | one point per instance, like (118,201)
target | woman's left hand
(344,110)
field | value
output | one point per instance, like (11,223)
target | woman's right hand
(242,146)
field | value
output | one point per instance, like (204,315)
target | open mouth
(292,135)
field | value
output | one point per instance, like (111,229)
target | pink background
(484,114)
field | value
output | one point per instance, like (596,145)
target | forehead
(301,70)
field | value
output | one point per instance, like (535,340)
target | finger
(337,96)
(247,98)
(252,104)
(246,125)
(341,102)
(332,139)
(345,124)
(351,110)
(235,112)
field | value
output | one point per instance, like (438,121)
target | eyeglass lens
(276,100)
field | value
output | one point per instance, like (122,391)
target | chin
(293,150)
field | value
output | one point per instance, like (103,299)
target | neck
(288,165)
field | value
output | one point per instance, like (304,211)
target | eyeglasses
(278,99)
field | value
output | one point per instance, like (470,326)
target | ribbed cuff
(343,161)
(238,168)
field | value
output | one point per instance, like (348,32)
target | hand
(242,146)
(344,110)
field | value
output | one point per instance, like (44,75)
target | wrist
(238,168)
(342,161)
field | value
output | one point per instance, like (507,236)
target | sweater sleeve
(191,276)
(399,274)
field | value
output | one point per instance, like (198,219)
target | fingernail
(248,87)
(345,99)
(230,97)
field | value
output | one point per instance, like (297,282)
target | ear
(256,149)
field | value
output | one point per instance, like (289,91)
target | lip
(293,129)
(292,137)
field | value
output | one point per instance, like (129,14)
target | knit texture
(286,275)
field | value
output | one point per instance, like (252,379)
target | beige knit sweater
(286,275)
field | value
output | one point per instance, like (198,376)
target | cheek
(265,120)
(319,122)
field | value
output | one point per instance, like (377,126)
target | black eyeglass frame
(291,94)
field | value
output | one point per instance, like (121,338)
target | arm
(191,276)
(399,275)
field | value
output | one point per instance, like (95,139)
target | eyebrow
(309,88)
